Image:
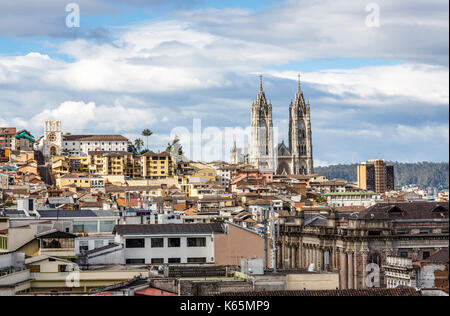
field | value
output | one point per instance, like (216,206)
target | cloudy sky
(376,72)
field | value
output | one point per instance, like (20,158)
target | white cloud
(77,117)
(197,65)
(420,134)
(424,83)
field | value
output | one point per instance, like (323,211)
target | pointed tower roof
(261,83)
(234,149)
(299,90)
(261,99)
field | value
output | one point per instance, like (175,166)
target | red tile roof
(154,292)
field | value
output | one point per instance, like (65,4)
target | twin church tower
(297,157)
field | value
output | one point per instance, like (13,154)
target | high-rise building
(374,175)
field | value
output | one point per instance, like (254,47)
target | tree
(138,143)
(175,146)
(147,133)
(321,199)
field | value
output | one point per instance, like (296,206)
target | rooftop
(95,138)
(153,229)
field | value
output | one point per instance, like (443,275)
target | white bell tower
(52,139)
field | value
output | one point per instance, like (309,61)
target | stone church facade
(294,158)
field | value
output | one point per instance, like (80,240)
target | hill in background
(423,174)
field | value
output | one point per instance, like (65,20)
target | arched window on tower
(301,129)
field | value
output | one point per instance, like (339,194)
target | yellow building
(205,173)
(60,166)
(79,181)
(117,163)
(5,154)
(157,166)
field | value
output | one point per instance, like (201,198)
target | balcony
(15,279)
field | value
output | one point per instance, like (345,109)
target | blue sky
(375,92)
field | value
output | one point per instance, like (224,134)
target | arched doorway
(53,151)
(283,168)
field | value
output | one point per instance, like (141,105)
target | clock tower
(52,139)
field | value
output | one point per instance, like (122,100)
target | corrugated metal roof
(153,229)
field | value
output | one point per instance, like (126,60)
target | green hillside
(423,174)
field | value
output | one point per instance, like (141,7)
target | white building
(338,199)
(168,243)
(85,143)
(94,229)
(54,143)
(398,271)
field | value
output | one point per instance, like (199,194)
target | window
(107,226)
(84,245)
(135,243)
(62,268)
(135,261)
(98,243)
(157,242)
(404,254)
(157,260)
(174,242)
(196,242)
(174,260)
(196,260)
(35,269)
(426,254)
(85,227)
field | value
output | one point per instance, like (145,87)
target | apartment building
(168,243)
(115,163)
(157,165)
(375,175)
(7,137)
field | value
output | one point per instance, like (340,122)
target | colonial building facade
(348,243)
(54,143)
(297,157)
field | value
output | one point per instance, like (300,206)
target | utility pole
(274,243)
(265,240)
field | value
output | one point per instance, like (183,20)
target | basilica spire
(299,90)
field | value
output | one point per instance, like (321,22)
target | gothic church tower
(300,138)
(261,142)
